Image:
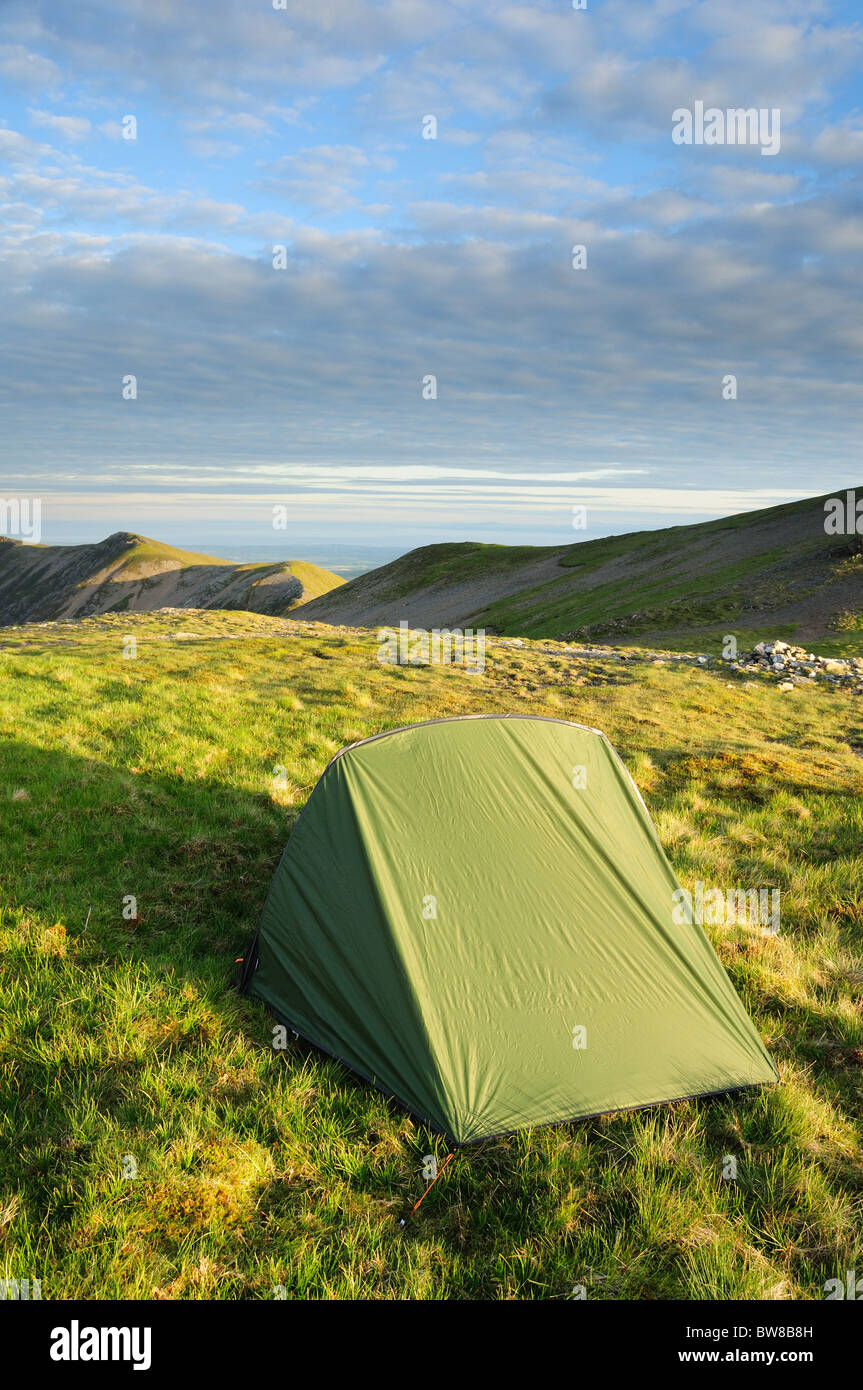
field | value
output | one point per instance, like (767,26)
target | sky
(384,334)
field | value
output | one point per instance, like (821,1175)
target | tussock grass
(123,1046)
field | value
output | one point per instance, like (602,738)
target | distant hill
(127,572)
(772,571)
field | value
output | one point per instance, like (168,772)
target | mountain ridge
(775,570)
(130,572)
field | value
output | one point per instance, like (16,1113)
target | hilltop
(131,573)
(773,572)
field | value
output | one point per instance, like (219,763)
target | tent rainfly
(476,915)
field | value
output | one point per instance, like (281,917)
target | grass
(457,561)
(143,550)
(123,1046)
(774,568)
(315,581)
(664,597)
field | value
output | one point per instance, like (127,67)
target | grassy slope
(670,583)
(154,777)
(432,564)
(314,579)
(670,600)
(146,549)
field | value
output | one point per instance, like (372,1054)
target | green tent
(475,914)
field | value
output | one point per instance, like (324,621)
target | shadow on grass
(79,838)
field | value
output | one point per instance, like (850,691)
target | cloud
(324,177)
(23,68)
(72,128)
(409,257)
(840,144)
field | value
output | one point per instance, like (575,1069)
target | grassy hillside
(767,572)
(130,573)
(119,1038)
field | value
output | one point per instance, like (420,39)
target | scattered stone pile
(791,666)
(795,666)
